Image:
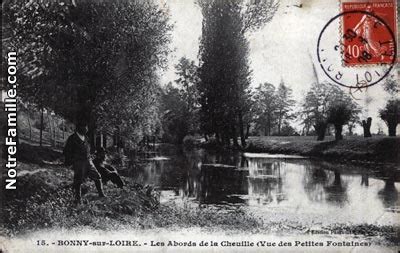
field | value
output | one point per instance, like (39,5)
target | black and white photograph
(200,126)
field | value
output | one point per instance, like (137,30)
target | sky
(285,49)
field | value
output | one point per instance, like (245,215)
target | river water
(273,187)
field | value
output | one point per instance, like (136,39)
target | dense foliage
(98,57)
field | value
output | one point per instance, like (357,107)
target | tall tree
(179,104)
(284,104)
(391,115)
(265,107)
(187,72)
(175,116)
(315,108)
(224,70)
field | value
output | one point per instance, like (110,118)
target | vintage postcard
(200,126)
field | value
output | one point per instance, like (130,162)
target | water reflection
(365,179)
(300,186)
(265,181)
(314,181)
(221,183)
(336,192)
(389,194)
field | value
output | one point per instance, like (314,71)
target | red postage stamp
(369,31)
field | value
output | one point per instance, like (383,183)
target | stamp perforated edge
(395,32)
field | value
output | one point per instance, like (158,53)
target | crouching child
(107,172)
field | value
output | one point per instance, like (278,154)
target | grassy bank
(352,148)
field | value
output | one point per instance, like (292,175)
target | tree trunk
(247,131)
(92,137)
(41,128)
(351,130)
(234,137)
(367,127)
(241,129)
(218,138)
(279,126)
(104,140)
(115,139)
(55,132)
(227,140)
(99,141)
(320,128)
(51,130)
(338,132)
(269,125)
(392,128)
(63,129)
(30,128)
(223,139)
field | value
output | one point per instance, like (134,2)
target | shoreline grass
(353,148)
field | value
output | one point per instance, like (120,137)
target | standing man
(77,154)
